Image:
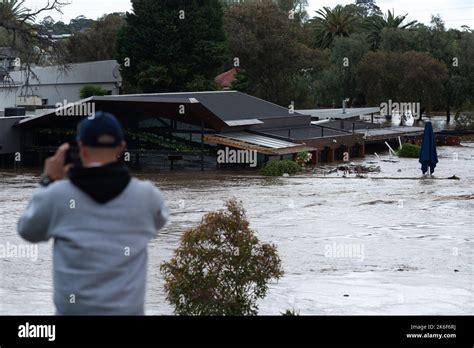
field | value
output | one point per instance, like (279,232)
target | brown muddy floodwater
(392,246)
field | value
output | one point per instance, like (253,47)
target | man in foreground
(101,220)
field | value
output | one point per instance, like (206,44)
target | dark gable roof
(220,110)
(227,105)
(239,106)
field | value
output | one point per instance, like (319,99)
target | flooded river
(348,246)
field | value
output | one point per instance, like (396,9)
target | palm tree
(375,24)
(11,10)
(14,17)
(329,24)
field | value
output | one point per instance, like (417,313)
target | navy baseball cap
(101,129)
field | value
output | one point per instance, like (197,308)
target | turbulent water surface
(349,246)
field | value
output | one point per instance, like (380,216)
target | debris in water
(378,201)
(403,268)
(455,198)
(358,168)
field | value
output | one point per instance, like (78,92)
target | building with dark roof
(198,120)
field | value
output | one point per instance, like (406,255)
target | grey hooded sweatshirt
(101,223)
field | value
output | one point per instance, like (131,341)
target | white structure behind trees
(49,85)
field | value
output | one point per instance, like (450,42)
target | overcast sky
(455,12)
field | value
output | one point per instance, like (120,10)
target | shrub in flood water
(220,267)
(464,121)
(409,151)
(303,158)
(278,168)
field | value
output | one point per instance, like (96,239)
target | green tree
(456,50)
(401,40)
(374,25)
(403,77)
(268,48)
(332,23)
(91,91)
(295,7)
(364,8)
(80,23)
(241,82)
(96,43)
(220,267)
(167,46)
(346,54)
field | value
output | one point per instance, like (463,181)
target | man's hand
(54,166)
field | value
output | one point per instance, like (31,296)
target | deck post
(202,146)
(331,155)
(314,160)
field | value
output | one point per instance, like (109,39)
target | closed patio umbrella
(428,154)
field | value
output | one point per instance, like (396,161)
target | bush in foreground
(220,267)
(278,168)
(409,151)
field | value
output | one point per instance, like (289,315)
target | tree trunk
(422,111)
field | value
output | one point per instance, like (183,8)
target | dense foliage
(97,42)
(166,46)
(409,150)
(355,52)
(220,267)
(278,168)
(91,91)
